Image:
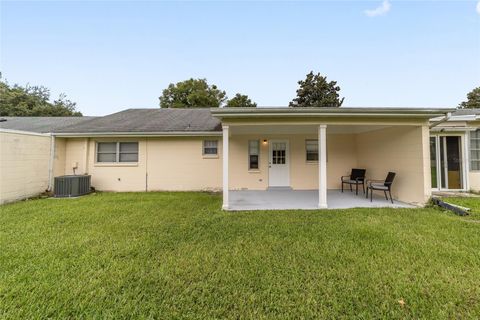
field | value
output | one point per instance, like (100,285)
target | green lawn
(469,202)
(177,255)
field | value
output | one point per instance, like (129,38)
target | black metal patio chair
(356,177)
(381,185)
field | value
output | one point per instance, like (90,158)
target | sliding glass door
(446,162)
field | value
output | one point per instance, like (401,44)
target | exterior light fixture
(264,141)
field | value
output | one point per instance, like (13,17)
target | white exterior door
(278,164)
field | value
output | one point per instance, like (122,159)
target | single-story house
(252,150)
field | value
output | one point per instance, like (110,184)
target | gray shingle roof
(466,112)
(149,121)
(40,124)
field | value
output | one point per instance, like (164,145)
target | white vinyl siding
(117,151)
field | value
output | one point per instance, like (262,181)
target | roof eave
(328,112)
(136,134)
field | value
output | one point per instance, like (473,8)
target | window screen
(475,150)
(253,154)
(311,147)
(128,152)
(210,147)
(106,152)
(117,152)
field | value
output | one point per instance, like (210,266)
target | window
(210,147)
(279,151)
(253,154)
(128,152)
(475,150)
(107,152)
(117,152)
(311,147)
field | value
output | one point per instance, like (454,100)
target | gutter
(138,134)
(327,112)
(447,117)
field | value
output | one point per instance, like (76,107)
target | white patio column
(322,166)
(225,167)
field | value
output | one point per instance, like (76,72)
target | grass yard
(177,255)
(469,202)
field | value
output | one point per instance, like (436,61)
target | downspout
(87,155)
(50,162)
(447,117)
(146,164)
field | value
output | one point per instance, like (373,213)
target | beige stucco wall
(24,163)
(341,157)
(177,163)
(474,177)
(59,157)
(403,150)
(170,163)
(75,155)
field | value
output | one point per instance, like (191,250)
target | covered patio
(286,198)
(294,159)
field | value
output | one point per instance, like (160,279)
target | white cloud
(478,7)
(380,10)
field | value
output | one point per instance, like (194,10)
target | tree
(316,91)
(473,100)
(33,101)
(192,93)
(241,101)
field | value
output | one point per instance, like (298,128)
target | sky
(109,56)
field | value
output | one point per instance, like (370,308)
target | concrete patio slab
(285,198)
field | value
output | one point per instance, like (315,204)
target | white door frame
(287,160)
(463,161)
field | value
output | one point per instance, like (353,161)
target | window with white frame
(210,147)
(475,150)
(253,154)
(311,147)
(117,151)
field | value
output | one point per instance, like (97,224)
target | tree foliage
(241,101)
(192,93)
(33,101)
(473,100)
(316,91)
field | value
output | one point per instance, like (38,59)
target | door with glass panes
(446,162)
(278,164)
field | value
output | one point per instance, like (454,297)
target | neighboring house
(455,151)
(229,149)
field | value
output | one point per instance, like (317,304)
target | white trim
(330,112)
(322,166)
(28,133)
(225,141)
(441,129)
(466,159)
(139,134)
